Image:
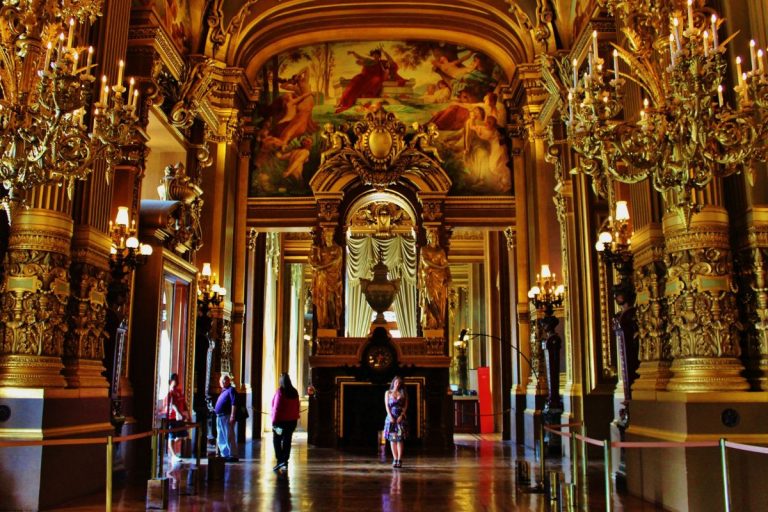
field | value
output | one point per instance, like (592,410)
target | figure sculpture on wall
(327,289)
(435,277)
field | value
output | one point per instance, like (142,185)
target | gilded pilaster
(84,345)
(651,310)
(753,291)
(701,301)
(34,298)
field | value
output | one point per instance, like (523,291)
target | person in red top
(177,413)
(285,415)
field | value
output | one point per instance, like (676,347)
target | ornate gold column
(701,301)
(34,299)
(753,259)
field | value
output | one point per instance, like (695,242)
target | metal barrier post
(726,482)
(542,455)
(574,458)
(607,462)
(109,474)
(584,458)
(154,454)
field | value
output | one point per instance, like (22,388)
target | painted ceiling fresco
(454,87)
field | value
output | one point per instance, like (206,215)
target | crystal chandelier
(686,133)
(48,131)
(546,295)
(127,252)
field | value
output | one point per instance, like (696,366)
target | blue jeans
(225,436)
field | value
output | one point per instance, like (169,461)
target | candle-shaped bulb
(615,64)
(60,46)
(645,103)
(720,95)
(690,15)
(48,48)
(752,55)
(760,63)
(594,42)
(135,98)
(90,59)
(120,69)
(71,34)
(738,69)
(715,42)
(131,83)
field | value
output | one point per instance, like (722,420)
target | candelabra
(47,84)
(209,293)
(613,246)
(686,133)
(546,295)
(127,252)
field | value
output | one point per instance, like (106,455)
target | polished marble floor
(478,476)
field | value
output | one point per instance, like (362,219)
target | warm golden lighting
(686,134)
(127,252)
(546,294)
(46,98)
(208,290)
(121,219)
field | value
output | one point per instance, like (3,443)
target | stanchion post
(607,462)
(574,458)
(110,463)
(154,453)
(726,482)
(542,455)
(584,458)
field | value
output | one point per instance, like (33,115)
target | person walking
(176,412)
(396,424)
(285,415)
(225,420)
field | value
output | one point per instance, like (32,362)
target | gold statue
(435,276)
(327,290)
(424,140)
(335,141)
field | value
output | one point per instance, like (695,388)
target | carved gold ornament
(380,153)
(686,134)
(49,131)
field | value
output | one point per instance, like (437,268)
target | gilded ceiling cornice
(271,28)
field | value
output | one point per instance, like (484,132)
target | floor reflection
(478,475)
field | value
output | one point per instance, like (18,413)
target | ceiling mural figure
(448,89)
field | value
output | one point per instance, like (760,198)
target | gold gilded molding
(681,437)
(30,371)
(91,246)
